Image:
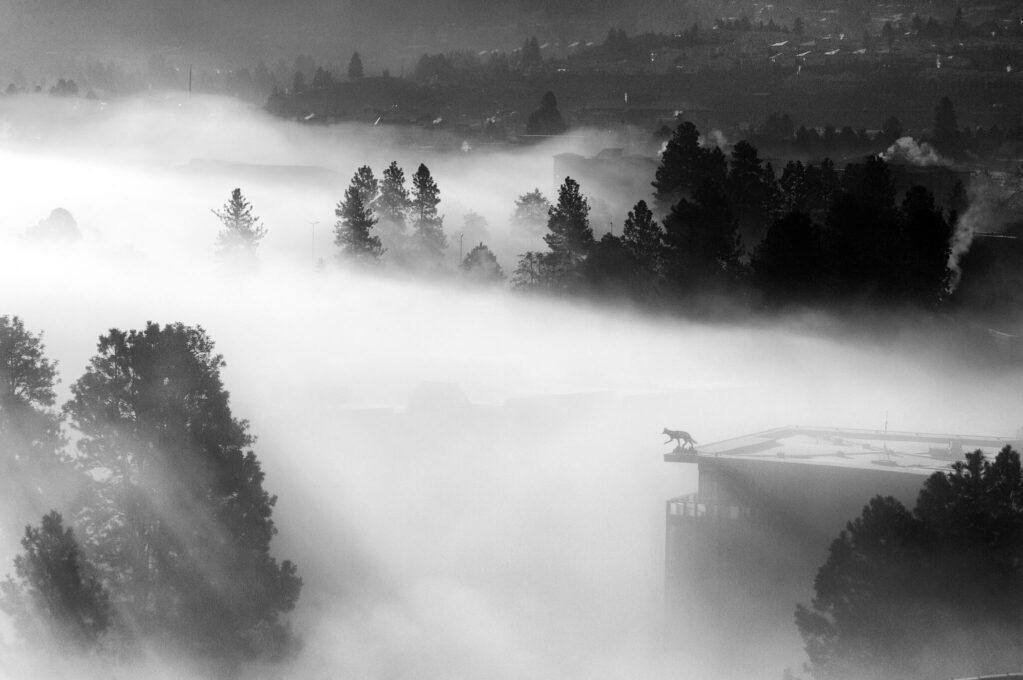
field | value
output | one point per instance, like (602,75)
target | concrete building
(743,550)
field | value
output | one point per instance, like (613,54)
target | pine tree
(702,242)
(684,166)
(936,592)
(179,522)
(57,591)
(356,220)
(568,222)
(428,235)
(355,67)
(569,236)
(241,231)
(546,120)
(481,266)
(393,203)
(643,238)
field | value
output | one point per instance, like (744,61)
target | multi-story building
(743,550)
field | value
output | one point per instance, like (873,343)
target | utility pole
(312,241)
(461,235)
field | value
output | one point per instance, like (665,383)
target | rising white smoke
(908,150)
(986,194)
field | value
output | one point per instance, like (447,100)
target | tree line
(723,232)
(157,525)
(830,237)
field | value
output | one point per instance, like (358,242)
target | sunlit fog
(471,480)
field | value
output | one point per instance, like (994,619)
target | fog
(471,481)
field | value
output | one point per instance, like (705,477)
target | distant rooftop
(891,451)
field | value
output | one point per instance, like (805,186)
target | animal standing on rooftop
(680,436)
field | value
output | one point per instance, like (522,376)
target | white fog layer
(470,481)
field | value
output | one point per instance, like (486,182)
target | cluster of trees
(829,236)
(411,227)
(377,217)
(936,592)
(780,130)
(170,543)
(946,136)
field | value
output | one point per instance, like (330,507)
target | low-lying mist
(470,480)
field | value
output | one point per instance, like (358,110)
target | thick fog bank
(470,481)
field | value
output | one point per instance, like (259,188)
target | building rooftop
(891,451)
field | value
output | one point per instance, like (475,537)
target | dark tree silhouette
(481,266)
(57,591)
(684,166)
(643,238)
(570,236)
(352,231)
(547,119)
(933,593)
(355,67)
(179,523)
(703,246)
(751,186)
(428,235)
(925,248)
(241,231)
(789,263)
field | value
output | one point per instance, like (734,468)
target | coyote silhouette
(680,436)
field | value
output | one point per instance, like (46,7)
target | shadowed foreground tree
(933,593)
(179,524)
(57,593)
(241,231)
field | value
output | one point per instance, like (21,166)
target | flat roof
(891,451)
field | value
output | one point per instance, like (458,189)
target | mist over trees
(57,596)
(33,470)
(428,239)
(936,591)
(241,231)
(172,524)
(356,218)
